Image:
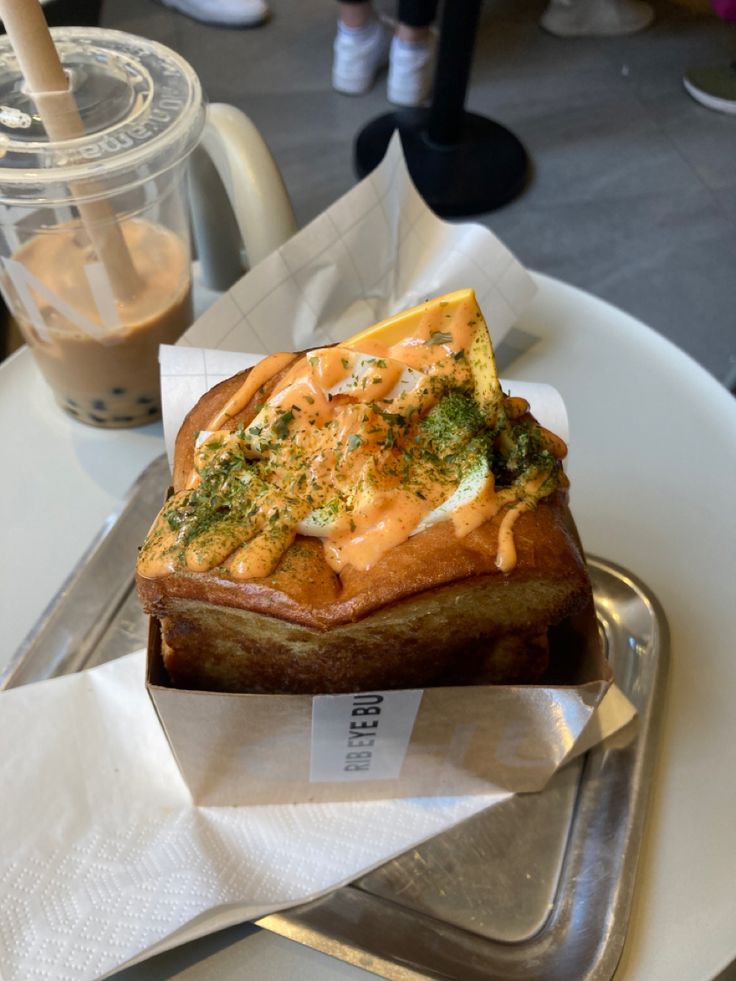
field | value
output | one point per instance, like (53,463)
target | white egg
(471,487)
(202,435)
(364,366)
(319,523)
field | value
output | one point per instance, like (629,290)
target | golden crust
(427,606)
(304,590)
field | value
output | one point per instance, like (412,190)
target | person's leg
(411,63)
(361,47)
(415,19)
(355,14)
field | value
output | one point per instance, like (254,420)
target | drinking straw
(48,85)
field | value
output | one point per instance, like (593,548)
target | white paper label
(361,736)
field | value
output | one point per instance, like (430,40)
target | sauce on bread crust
(364,446)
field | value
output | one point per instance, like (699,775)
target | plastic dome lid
(141,105)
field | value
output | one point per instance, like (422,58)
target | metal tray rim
(348,906)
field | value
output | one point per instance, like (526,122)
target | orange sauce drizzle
(258,376)
(468,517)
(258,557)
(387,521)
(339,403)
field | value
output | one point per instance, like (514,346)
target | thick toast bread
(434,604)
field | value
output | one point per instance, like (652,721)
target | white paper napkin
(104,856)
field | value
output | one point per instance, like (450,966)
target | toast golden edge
(304,607)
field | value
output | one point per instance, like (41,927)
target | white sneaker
(359,55)
(411,72)
(713,87)
(223,13)
(596,18)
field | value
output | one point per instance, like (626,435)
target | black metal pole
(462,163)
(454,58)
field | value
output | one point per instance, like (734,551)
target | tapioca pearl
(145,399)
(73,411)
(72,403)
(94,418)
(123,419)
(154,410)
(99,404)
(119,390)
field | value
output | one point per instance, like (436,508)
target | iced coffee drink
(94,217)
(99,353)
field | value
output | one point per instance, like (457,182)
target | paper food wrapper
(252,748)
(105,858)
(234,749)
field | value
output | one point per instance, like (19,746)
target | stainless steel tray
(96,617)
(537,888)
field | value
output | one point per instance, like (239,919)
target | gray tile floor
(634,189)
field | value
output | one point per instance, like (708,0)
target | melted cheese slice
(407,334)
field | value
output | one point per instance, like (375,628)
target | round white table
(653,471)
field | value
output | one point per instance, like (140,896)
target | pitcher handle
(238,198)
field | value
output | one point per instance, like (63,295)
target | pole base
(485,169)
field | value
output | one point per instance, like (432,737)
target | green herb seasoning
(439,337)
(266,477)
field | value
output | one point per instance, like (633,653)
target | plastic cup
(143,113)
